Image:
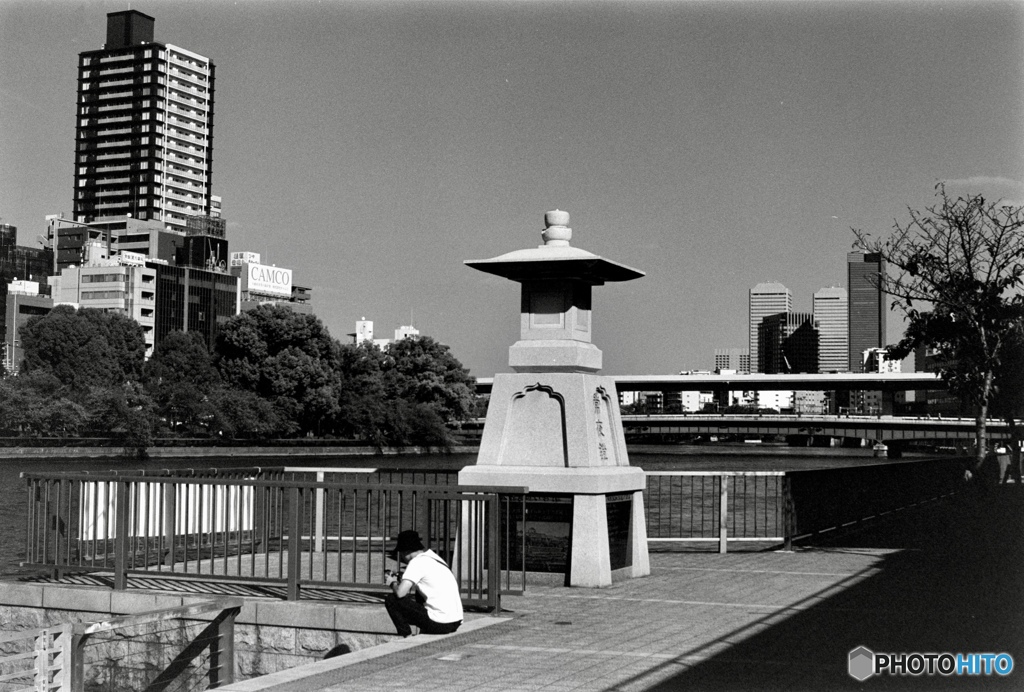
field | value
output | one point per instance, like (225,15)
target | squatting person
(425,594)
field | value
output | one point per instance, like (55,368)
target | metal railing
(258,526)
(53,659)
(719,506)
(785,506)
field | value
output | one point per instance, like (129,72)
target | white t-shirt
(436,582)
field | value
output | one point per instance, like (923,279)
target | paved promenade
(944,577)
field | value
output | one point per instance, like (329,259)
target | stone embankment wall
(270,635)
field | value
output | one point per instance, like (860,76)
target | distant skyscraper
(737,359)
(831,307)
(788,343)
(765,299)
(144,135)
(867,306)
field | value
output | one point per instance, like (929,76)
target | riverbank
(27,453)
(300,453)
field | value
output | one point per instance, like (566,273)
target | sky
(373,146)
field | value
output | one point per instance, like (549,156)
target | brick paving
(943,577)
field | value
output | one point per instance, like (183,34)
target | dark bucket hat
(407,542)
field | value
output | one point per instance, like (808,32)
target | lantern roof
(556,259)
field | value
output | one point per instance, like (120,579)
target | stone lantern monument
(554,425)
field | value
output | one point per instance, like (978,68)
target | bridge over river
(894,431)
(883,382)
(877,428)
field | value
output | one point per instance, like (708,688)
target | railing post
(170,520)
(294,542)
(788,523)
(222,650)
(41,659)
(319,509)
(121,537)
(75,652)
(723,515)
(493,520)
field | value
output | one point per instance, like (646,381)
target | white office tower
(831,307)
(766,299)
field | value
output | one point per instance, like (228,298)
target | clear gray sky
(374,146)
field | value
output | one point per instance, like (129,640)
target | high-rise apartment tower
(144,132)
(765,299)
(867,306)
(831,307)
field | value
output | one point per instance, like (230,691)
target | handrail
(181,612)
(245,526)
(58,653)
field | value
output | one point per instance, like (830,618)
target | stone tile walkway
(944,577)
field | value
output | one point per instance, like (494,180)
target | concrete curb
(315,676)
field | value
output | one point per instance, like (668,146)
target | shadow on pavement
(953,582)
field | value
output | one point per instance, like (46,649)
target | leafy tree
(241,414)
(289,359)
(362,408)
(126,413)
(180,377)
(423,371)
(956,273)
(404,395)
(84,348)
(33,404)
(1008,400)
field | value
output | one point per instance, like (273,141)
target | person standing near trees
(426,593)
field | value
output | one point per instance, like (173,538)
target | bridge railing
(823,500)
(784,506)
(715,506)
(263,530)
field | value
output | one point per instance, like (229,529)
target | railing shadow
(949,578)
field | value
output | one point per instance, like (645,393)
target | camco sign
(275,281)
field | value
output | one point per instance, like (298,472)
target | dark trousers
(408,611)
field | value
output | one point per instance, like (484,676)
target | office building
(777,400)
(765,299)
(406,331)
(735,359)
(261,284)
(866,306)
(788,343)
(873,402)
(123,284)
(191,299)
(831,306)
(20,264)
(23,300)
(144,132)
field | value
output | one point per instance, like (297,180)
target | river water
(13,507)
